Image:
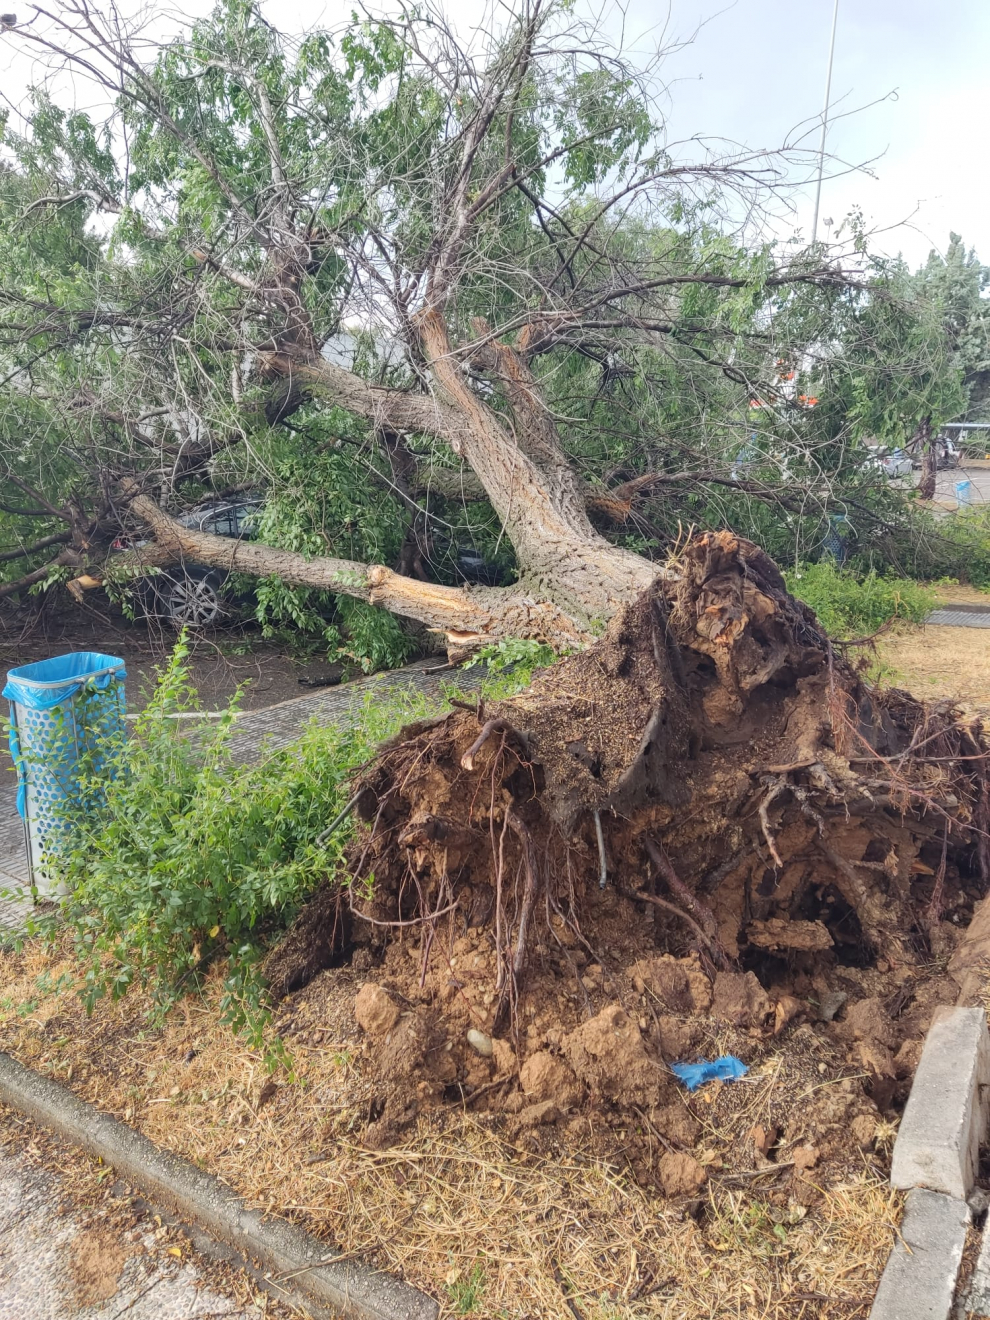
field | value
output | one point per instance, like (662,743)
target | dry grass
(489,1229)
(941,662)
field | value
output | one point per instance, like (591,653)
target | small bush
(193,857)
(850,605)
(511,663)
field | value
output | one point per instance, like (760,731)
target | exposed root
(493,726)
(800,819)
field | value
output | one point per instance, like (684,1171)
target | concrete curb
(935,1159)
(304,1265)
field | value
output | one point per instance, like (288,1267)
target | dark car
(192,594)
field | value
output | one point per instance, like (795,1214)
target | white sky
(756,69)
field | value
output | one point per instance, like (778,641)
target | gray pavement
(978,478)
(57,1263)
(958,616)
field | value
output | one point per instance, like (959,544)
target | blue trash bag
(726,1069)
(66,721)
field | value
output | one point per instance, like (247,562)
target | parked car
(196,595)
(192,594)
(894,463)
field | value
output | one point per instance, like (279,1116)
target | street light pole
(821,145)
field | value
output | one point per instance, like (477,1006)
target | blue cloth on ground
(726,1069)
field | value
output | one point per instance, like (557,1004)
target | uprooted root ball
(702,832)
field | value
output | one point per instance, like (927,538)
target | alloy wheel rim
(193,601)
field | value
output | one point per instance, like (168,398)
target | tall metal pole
(821,145)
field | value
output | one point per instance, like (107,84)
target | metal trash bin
(62,711)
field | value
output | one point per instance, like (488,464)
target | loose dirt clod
(375,1009)
(782,845)
(96,1262)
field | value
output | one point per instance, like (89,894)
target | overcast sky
(756,69)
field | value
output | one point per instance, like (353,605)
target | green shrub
(511,663)
(194,857)
(962,548)
(852,605)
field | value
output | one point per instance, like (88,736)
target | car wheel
(193,602)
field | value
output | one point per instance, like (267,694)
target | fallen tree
(711,787)
(510,294)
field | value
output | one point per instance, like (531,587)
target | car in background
(893,464)
(195,595)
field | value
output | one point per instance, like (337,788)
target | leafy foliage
(519,656)
(279,191)
(850,605)
(194,857)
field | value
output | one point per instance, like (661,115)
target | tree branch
(468,616)
(59,538)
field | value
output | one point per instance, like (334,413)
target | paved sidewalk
(961,616)
(275,727)
(57,1265)
(280,725)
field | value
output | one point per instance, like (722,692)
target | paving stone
(920,1278)
(960,618)
(945,1117)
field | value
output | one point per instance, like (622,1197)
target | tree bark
(571,578)
(929,459)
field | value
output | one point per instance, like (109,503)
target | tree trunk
(929,459)
(571,580)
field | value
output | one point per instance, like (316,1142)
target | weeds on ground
(851,605)
(183,856)
(465,1294)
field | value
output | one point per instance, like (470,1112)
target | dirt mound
(705,834)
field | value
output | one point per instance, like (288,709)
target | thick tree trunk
(532,486)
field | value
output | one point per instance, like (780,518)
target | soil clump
(707,834)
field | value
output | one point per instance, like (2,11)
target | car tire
(189,600)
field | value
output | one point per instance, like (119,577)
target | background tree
(422,292)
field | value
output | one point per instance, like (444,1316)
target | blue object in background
(964,492)
(833,544)
(726,1069)
(63,711)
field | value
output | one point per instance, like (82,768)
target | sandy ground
(943,662)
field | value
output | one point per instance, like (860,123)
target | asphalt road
(978,477)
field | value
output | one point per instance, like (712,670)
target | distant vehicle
(893,464)
(946,454)
(195,595)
